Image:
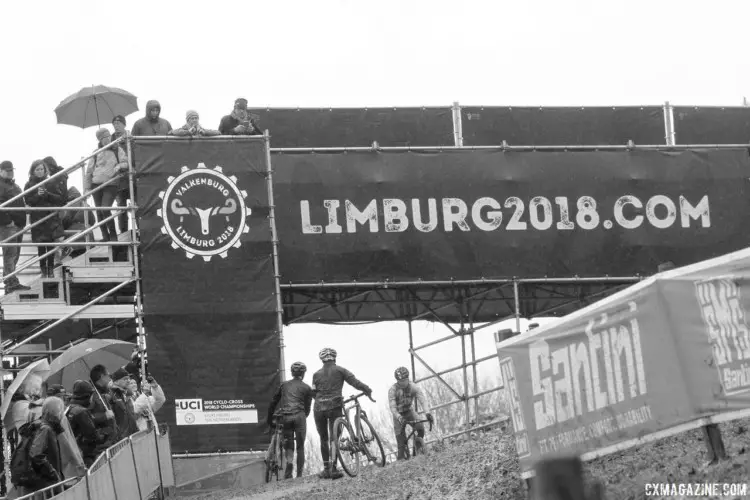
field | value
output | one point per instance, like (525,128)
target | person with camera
(145,402)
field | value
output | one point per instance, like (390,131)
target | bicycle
(275,454)
(348,443)
(413,424)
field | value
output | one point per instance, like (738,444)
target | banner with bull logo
(208,286)
(668,354)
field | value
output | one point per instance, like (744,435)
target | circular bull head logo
(204,212)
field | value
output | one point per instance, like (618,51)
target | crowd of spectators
(68,430)
(105,180)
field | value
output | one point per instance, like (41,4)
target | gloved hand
(401,419)
(428,416)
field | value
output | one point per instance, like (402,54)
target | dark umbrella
(77,361)
(95,105)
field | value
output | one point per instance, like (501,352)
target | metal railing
(135,468)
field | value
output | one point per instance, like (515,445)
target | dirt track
(487,469)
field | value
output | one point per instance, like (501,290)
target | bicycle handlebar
(357,396)
(414,422)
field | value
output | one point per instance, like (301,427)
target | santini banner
(666,355)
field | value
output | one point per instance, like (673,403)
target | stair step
(20,311)
(116,272)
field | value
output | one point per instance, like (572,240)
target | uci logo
(204,212)
(189,404)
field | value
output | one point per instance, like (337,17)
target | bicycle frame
(413,425)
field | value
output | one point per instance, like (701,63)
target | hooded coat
(147,126)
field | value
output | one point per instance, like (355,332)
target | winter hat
(119,118)
(120,374)
(82,388)
(102,133)
(191,113)
(6,165)
(241,103)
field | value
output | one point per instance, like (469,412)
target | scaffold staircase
(98,270)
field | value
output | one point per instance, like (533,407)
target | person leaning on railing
(192,127)
(10,224)
(103,167)
(51,230)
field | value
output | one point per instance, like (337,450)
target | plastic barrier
(135,468)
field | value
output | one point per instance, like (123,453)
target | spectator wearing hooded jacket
(90,442)
(240,121)
(103,167)
(151,124)
(45,453)
(51,230)
(192,127)
(70,454)
(124,416)
(101,406)
(10,224)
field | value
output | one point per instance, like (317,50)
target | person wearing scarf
(192,127)
(103,167)
(240,121)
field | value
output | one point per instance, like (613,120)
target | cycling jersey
(401,399)
(292,397)
(328,383)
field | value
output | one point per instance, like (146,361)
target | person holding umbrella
(101,411)
(123,187)
(90,442)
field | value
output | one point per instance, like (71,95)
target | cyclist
(401,397)
(291,405)
(327,385)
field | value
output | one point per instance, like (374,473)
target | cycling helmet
(298,369)
(327,354)
(401,373)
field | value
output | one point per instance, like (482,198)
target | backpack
(21,469)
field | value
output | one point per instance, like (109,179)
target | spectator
(90,442)
(51,230)
(53,168)
(240,121)
(121,404)
(193,127)
(27,402)
(152,124)
(104,167)
(123,187)
(10,224)
(70,454)
(101,406)
(146,403)
(45,453)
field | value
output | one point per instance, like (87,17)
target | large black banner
(208,288)
(473,214)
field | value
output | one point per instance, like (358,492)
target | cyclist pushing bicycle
(327,384)
(291,406)
(401,397)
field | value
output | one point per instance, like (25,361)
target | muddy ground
(487,468)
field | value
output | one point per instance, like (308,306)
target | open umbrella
(77,361)
(95,105)
(40,367)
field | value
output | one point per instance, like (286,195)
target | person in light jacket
(146,403)
(104,167)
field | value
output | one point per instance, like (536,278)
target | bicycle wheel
(372,442)
(271,461)
(345,450)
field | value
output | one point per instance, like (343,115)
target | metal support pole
(467,407)
(669,132)
(6,445)
(134,237)
(517,306)
(458,133)
(476,379)
(413,368)
(275,247)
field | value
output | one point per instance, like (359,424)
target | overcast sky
(204,54)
